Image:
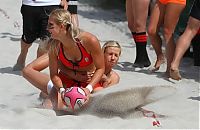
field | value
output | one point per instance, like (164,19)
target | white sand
(111,108)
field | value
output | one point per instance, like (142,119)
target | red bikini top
(86,58)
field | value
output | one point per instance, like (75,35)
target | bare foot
(157,65)
(18,67)
(174,74)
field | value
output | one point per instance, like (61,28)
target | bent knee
(26,70)
(151,31)
(167,33)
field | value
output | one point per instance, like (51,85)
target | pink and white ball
(74,98)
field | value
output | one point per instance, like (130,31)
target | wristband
(61,90)
(89,86)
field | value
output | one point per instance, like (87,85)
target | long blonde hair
(61,16)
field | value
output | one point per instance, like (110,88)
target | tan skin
(182,45)
(111,56)
(166,16)
(90,43)
(25,47)
(65,5)
(92,46)
(32,72)
(137,12)
(75,55)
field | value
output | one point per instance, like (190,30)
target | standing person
(185,39)
(165,14)
(137,12)
(72,49)
(112,51)
(73,9)
(35,16)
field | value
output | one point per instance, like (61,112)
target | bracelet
(89,86)
(61,90)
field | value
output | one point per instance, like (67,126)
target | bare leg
(182,45)
(172,14)
(40,52)
(140,8)
(22,56)
(140,12)
(75,20)
(129,15)
(32,73)
(156,19)
(42,48)
(40,80)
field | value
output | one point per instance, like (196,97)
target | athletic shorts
(173,1)
(35,20)
(72,7)
(195,12)
(69,83)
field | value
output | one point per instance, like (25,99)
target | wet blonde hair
(61,16)
(111,43)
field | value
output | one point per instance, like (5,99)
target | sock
(141,38)
(142,59)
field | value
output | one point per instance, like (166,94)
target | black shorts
(195,12)
(72,8)
(35,20)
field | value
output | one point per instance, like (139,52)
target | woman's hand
(105,81)
(87,92)
(62,92)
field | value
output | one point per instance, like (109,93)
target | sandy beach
(175,103)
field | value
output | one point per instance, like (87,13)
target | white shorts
(49,86)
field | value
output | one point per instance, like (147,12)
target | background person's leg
(22,56)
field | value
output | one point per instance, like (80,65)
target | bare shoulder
(89,39)
(115,76)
